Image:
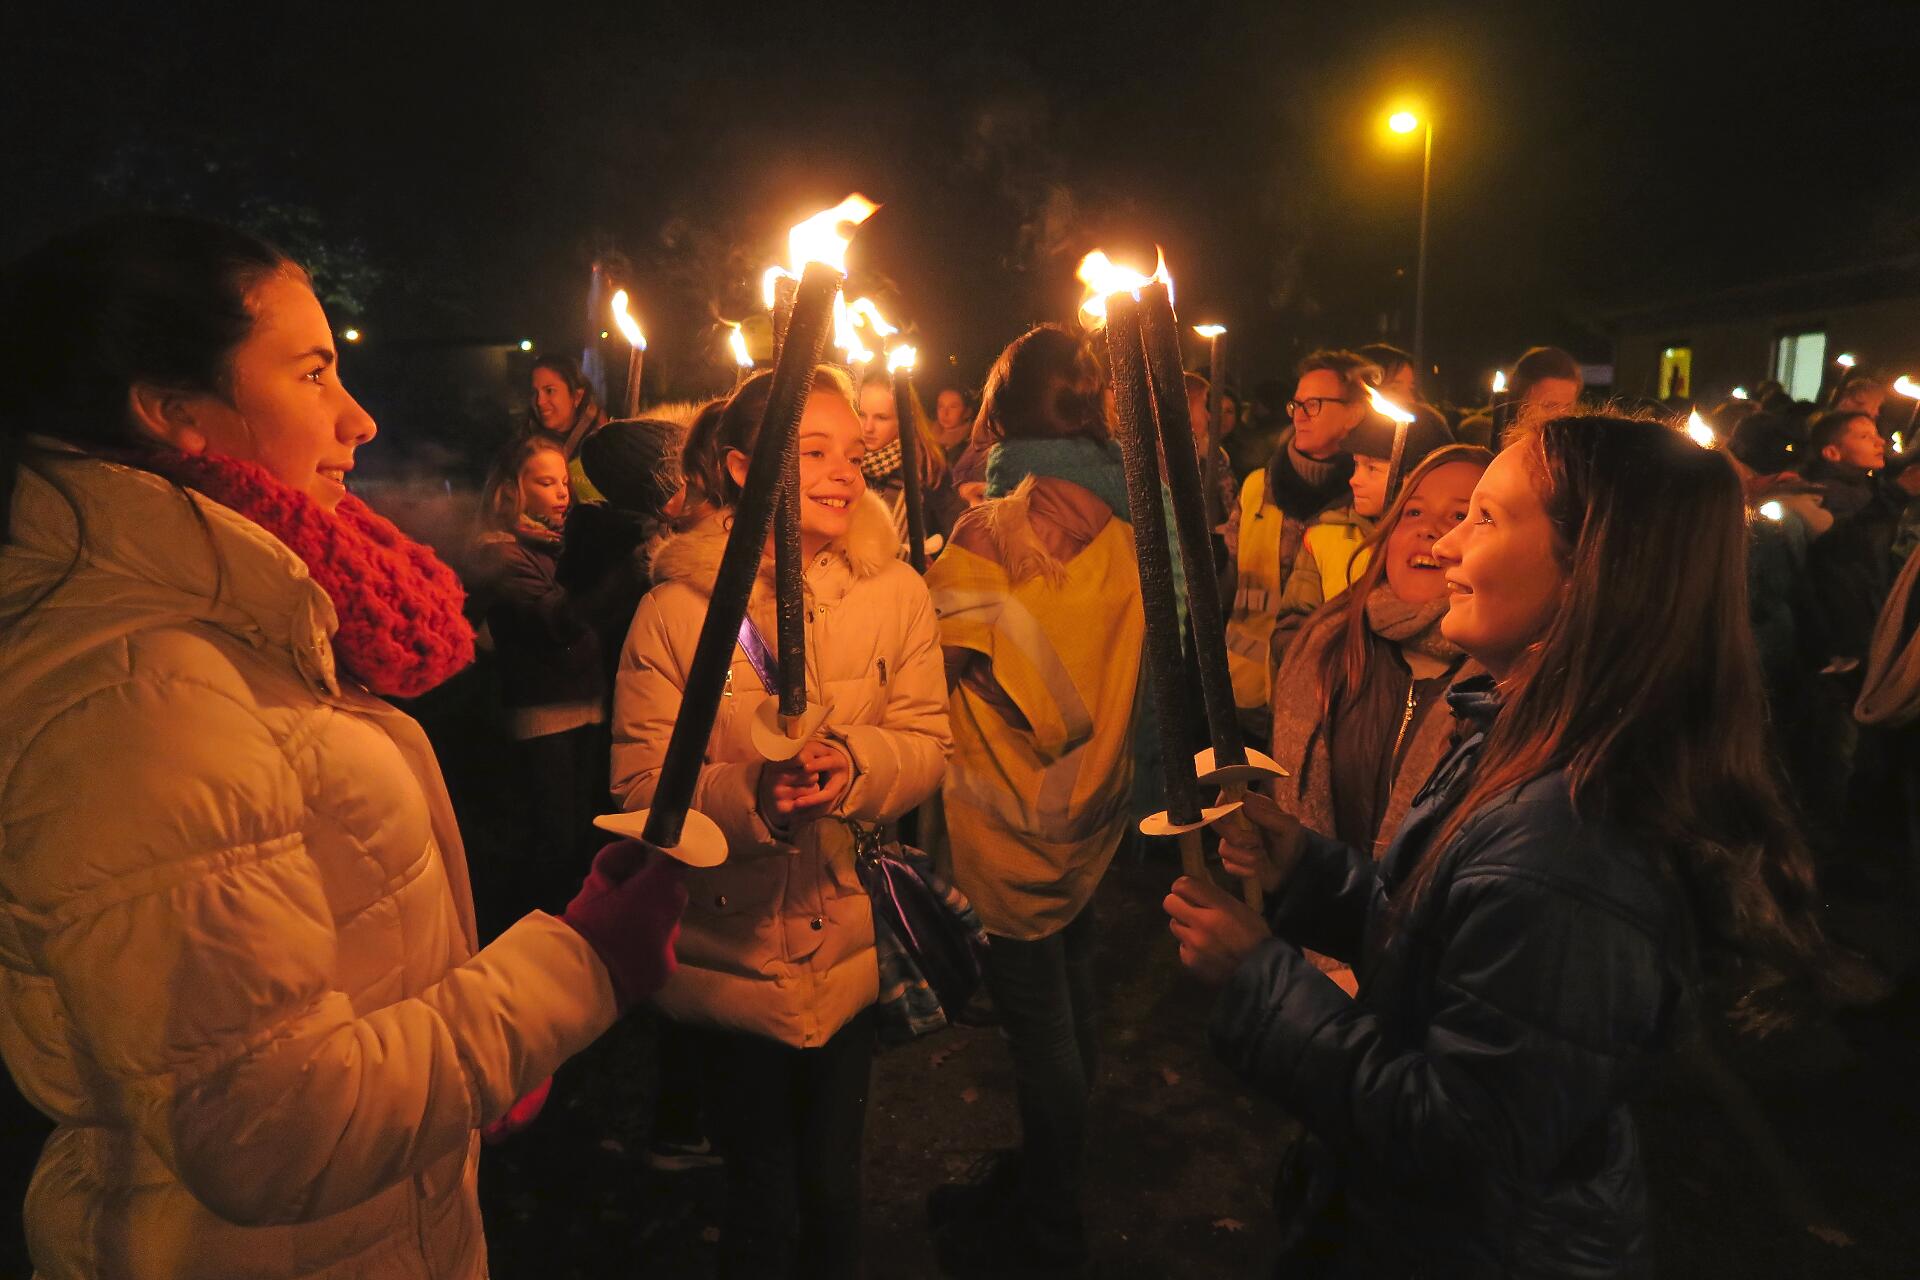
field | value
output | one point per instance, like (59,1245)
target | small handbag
(930,943)
(928,939)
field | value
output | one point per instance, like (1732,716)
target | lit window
(1799,362)
(1676,372)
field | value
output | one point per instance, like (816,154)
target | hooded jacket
(1473,1098)
(1039,604)
(237,953)
(778,939)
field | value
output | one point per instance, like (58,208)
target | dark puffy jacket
(549,652)
(1852,565)
(1471,1104)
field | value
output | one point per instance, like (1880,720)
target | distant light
(1773,511)
(1499,381)
(1844,360)
(1668,353)
(1898,445)
(1698,431)
(1403,122)
(351,335)
(1739,393)
(1209,330)
(603,333)
(526,344)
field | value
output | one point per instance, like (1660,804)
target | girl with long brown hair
(1360,714)
(1606,823)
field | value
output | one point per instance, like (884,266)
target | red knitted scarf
(401,628)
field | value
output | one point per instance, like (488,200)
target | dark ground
(1182,1158)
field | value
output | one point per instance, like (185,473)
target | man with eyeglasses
(1306,477)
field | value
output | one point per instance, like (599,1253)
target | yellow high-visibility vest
(1260,576)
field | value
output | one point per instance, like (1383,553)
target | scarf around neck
(880,464)
(1413,626)
(1094,465)
(401,630)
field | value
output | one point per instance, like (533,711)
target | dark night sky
(1585,156)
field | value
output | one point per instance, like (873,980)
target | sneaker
(678,1157)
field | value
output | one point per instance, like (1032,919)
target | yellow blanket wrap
(1034,815)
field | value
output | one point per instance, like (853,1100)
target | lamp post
(1407,122)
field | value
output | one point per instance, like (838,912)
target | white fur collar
(693,556)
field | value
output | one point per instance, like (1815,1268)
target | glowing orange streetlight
(1405,122)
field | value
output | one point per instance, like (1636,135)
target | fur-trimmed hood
(692,556)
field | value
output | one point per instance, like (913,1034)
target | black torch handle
(1133,403)
(790,593)
(785,290)
(910,468)
(1159,330)
(1216,424)
(740,561)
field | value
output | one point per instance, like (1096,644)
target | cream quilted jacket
(237,954)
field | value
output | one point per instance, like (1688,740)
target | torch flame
(1907,387)
(1773,511)
(1698,431)
(1845,361)
(1103,276)
(1209,330)
(1739,393)
(770,284)
(1898,446)
(629,327)
(901,357)
(737,342)
(1386,407)
(866,313)
(1499,381)
(819,238)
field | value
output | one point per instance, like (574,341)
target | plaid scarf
(881,463)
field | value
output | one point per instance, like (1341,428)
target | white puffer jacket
(778,939)
(237,959)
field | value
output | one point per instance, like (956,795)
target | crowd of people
(1579,715)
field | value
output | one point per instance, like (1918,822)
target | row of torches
(1155,434)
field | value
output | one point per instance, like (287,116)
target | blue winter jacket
(1471,1102)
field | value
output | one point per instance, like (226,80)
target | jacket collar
(153,553)
(692,557)
(1475,701)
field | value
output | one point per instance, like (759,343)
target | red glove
(519,1115)
(628,909)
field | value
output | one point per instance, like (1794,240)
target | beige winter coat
(237,958)
(778,940)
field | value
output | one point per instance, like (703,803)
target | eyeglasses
(1312,405)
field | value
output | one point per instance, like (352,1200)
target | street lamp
(1406,122)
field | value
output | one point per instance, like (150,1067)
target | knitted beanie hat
(635,462)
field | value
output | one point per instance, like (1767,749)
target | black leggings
(789,1122)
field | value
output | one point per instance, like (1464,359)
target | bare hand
(1215,932)
(803,788)
(1261,841)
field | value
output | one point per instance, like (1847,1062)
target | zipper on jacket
(883,671)
(1406,718)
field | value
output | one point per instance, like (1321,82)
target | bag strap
(759,657)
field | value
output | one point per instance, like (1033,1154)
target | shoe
(678,1157)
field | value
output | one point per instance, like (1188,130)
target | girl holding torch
(1605,821)
(778,971)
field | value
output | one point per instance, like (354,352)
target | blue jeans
(1043,992)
